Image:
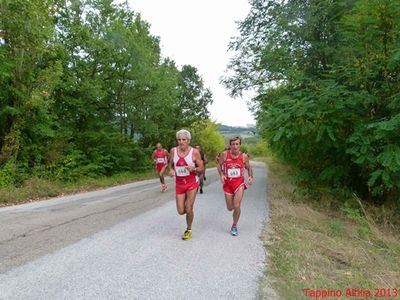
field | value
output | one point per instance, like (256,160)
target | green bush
(7,173)
(259,149)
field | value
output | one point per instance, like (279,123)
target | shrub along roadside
(325,246)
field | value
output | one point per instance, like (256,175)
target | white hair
(185,132)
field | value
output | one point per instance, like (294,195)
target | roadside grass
(36,189)
(322,246)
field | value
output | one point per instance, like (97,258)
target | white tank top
(180,164)
(188,158)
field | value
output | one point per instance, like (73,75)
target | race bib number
(181,171)
(160,160)
(233,173)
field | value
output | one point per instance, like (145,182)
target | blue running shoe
(234,231)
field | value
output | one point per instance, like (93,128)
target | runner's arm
(153,157)
(198,162)
(205,160)
(220,162)
(248,168)
(167,155)
(170,163)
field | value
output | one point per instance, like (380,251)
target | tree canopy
(326,76)
(85,91)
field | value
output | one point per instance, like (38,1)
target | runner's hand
(251,180)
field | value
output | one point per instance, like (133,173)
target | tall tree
(28,73)
(194,98)
(326,76)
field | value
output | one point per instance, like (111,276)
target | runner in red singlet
(184,164)
(160,158)
(231,165)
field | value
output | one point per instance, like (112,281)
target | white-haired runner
(185,162)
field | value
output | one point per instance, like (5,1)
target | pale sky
(197,33)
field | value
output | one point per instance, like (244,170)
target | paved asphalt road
(125,243)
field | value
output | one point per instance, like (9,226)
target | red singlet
(161,159)
(185,180)
(233,171)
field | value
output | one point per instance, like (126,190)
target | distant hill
(222,127)
(246,133)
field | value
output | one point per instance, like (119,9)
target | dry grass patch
(320,250)
(36,189)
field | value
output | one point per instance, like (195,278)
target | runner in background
(202,175)
(160,157)
(231,165)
